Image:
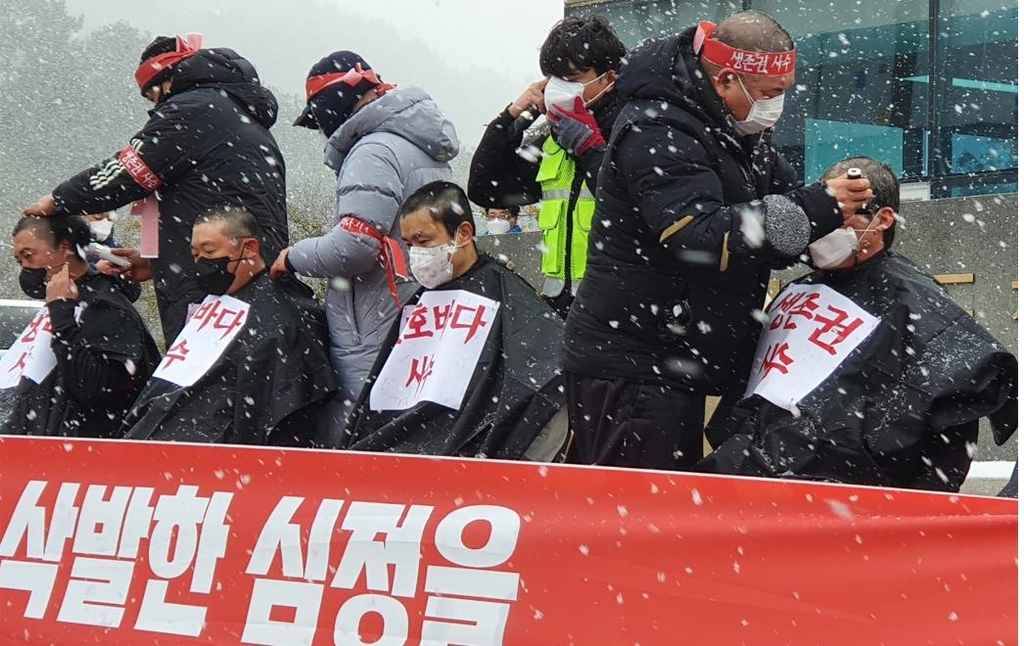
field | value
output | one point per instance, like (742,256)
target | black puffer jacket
(690,218)
(210,145)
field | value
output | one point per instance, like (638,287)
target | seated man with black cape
(251,364)
(470,368)
(78,366)
(867,372)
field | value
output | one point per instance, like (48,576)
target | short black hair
(58,228)
(447,203)
(513,211)
(238,222)
(580,44)
(884,185)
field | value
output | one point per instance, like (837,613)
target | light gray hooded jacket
(382,154)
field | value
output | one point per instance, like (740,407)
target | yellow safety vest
(555,176)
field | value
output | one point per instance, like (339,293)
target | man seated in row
(251,365)
(81,362)
(866,371)
(470,367)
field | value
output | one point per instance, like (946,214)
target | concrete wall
(952,238)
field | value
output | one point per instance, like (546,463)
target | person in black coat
(266,378)
(505,401)
(207,143)
(99,353)
(694,207)
(867,372)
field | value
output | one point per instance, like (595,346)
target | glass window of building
(928,86)
(976,98)
(859,88)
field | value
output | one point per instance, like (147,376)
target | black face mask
(213,276)
(33,282)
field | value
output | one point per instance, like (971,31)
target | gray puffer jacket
(387,150)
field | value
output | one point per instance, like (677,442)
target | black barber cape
(514,390)
(901,410)
(266,388)
(103,360)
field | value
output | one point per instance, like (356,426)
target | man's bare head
(753,31)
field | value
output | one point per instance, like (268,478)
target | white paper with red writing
(209,331)
(811,329)
(30,355)
(438,347)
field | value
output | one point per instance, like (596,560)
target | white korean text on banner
(209,331)
(437,351)
(811,329)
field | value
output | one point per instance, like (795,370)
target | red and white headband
(153,66)
(740,60)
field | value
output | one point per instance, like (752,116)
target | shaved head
(753,31)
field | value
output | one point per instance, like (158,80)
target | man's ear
(886,219)
(252,246)
(721,81)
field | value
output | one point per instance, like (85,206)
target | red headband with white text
(740,60)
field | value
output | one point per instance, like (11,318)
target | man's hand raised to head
(43,206)
(852,194)
(531,99)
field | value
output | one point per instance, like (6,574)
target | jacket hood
(407,112)
(223,69)
(666,69)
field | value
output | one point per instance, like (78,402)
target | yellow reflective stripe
(724,262)
(675,228)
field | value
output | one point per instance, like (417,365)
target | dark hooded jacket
(513,393)
(267,387)
(104,359)
(210,145)
(690,219)
(901,410)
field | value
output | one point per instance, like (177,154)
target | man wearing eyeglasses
(383,142)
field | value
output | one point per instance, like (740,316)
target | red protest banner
(131,542)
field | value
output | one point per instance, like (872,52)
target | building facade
(928,86)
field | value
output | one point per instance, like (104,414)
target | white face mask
(498,226)
(101,229)
(432,266)
(563,93)
(832,250)
(764,113)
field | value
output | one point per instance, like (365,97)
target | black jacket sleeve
(671,176)
(91,373)
(158,154)
(589,164)
(498,175)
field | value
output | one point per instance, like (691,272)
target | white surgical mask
(432,266)
(498,226)
(563,93)
(832,250)
(764,113)
(101,229)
